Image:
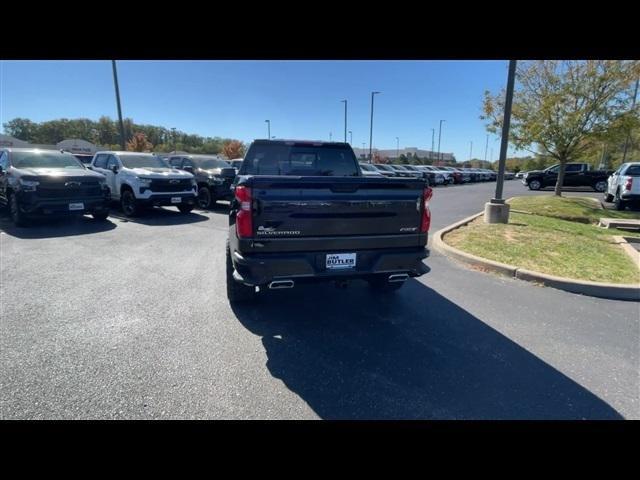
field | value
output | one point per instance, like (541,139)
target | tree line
(105,132)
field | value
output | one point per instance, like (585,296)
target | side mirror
(114,169)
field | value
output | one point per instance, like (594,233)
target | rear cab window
(298,159)
(633,170)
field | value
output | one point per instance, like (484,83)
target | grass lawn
(575,209)
(550,245)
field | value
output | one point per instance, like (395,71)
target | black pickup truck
(575,175)
(304,212)
(40,183)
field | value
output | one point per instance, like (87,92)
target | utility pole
(115,82)
(330,136)
(345,120)
(350,137)
(371,129)
(397,148)
(439,134)
(497,211)
(268,128)
(471,150)
(633,106)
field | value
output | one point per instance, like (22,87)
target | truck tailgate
(335,207)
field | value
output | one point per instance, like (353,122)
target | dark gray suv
(213,175)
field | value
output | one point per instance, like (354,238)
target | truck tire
(379,283)
(535,185)
(17,216)
(129,203)
(600,186)
(185,208)
(205,199)
(101,217)
(236,291)
(608,197)
(618,202)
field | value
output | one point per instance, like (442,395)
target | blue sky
(301,98)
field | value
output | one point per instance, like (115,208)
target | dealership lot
(129,319)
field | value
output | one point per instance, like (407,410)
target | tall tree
(21,128)
(561,107)
(139,143)
(233,149)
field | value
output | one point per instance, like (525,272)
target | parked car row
(435,175)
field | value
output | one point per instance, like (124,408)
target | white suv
(143,179)
(623,186)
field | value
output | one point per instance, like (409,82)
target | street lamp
(350,137)
(330,136)
(115,82)
(471,150)
(345,120)
(486,148)
(496,210)
(371,128)
(268,128)
(439,135)
(363,148)
(397,148)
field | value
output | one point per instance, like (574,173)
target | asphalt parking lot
(128,319)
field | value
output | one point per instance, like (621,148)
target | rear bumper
(261,269)
(629,196)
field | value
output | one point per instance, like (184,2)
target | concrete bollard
(496,212)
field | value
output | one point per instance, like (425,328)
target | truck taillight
(628,183)
(244,224)
(426,213)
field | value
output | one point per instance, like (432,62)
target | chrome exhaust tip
(278,284)
(398,277)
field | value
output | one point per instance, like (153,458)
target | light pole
(471,150)
(345,120)
(364,149)
(486,148)
(268,128)
(433,143)
(397,148)
(330,136)
(439,134)
(350,137)
(115,82)
(497,211)
(371,128)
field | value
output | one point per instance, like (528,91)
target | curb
(614,291)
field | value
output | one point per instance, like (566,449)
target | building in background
(393,154)
(73,145)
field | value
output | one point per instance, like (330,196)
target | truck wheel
(379,283)
(600,186)
(236,291)
(608,197)
(101,217)
(19,219)
(129,203)
(185,208)
(204,197)
(535,185)
(618,202)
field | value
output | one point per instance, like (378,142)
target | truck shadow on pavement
(351,354)
(55,227)
(159,217)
